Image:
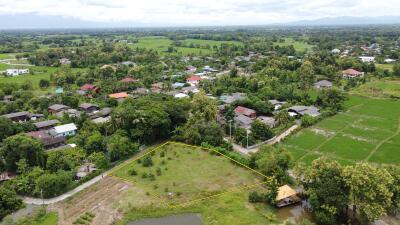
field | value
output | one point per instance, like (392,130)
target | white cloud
(201,12)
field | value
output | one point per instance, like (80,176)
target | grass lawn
(369,130)
(298,45)
(385,66)
(383,88)
(190,173)
(7,56)
(49,219)
(161,44)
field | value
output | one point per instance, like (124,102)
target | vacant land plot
(186,174)
(179,174)
(368,131)
(383,88)
(385,66)
(298,45)
(161,44)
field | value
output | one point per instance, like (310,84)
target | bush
(147,161)
(254,197)
(132,172)
(307,121)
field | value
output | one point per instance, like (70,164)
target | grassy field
(49,219)
(383,88)
(298,46)
(385,66)
(161,44)
(368,131)
(188,174)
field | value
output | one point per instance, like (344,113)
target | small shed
(286,196)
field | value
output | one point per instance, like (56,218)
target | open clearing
(298,45)
(368,131)
(379,88)
(189,170)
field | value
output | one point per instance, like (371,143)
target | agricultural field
(161,44)
(369,130)
(188,175)
(379,88)
(298,45)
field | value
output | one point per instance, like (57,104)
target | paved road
(277,139)
(39,201)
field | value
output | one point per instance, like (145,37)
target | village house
(323,84)
(190,89)
(129,80)
(65,130)
(57,108)
(16,72)
(286,196)
(157,87)
(303,110)
(85,170)
(140,91)
(18,116)
(367,59)
(240,110)
(101,120)
(191,69)
(88,107)
(89,88)
(194,80)
(5,176)
(119,96)
(46,125)
(269,121)
(352,73)
(181,95)
(335,51)
(178,85)
(65,61)
(276,104)
(47,139)
(69,113)
(109,66)
(228,99)
(243,121)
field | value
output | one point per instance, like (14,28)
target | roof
(46,138)
(118,95)
(193,78)
(244,110)
(46,123)
(270,121)
(88,87)
(17,114)
(181,95)
(303,110)
(276,102)
(245,120)
(101,120)
(233,97)
(352,72)
(58,107)
(65,128)
(87,105)
(324,83)
(129,80)
(285,192)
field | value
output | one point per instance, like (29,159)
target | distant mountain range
(34,21)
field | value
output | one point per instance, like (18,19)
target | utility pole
(230,131)
(41,195)
(247,137)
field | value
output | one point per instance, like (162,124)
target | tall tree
(306,75)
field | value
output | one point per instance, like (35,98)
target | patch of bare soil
(97,199)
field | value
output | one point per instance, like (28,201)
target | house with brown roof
(240,110)
(89,88)
(57,108)
(18,116)
(119,96)
(48,140)
(46,125)
(88,107)
(352,73)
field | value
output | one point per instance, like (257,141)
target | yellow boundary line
(164,202)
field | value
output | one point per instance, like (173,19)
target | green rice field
(369,130)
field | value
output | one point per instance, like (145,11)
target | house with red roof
(240,110)
(89,87)
(119,96)
(352,73)
(128,80)
(194,80)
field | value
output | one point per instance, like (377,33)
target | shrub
(132,172)
(147,161)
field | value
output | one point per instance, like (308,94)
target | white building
(389,60)
(16,72)
(181,95)
(65,130)
(367,59)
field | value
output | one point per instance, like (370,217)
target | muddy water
(182,219)
(297,213)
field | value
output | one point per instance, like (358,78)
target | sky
(198,12)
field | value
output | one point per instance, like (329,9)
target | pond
(182,219)
(298,212)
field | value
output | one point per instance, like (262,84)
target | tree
(119,146)
(274,162)
(94,143)
(283,117)
(369,190)
(7,128)
(396,69)
(204,107)
(394,171)
(307,120)
(53,184)
(58,161)
(332,99)
(99,159)
(306,75)
(8,201)
(19,147)
(44,83)
(243,138)
(147,161)
(261,131)
(327,189)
